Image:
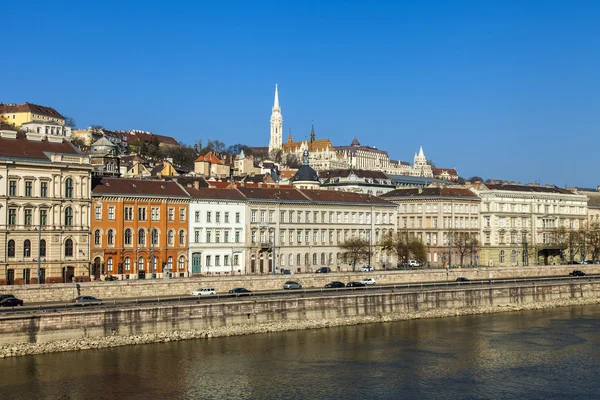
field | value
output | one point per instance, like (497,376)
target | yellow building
(19,114)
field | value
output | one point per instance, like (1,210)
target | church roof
(306,174)
(355,142)
(316,145)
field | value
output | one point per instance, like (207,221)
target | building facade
(217,232)
(44,210)
(19,114)
(139,229)
(443,219)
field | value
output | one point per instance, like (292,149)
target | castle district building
(441,218)
(519,222)
(217,232)
(301,230)
(139,229)
(44,209)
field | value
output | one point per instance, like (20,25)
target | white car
(204,292)
(414,263)
(368,281)
(366,268)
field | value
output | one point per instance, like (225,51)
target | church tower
(276,124)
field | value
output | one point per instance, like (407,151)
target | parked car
(286,272)
(323,270)
(204,292)
(368,281)
(111,278)
(11,302)
(462,279)
(292,285)
(366,268)
(355,284)
(413,263)
(85,300)
(240,290)
(577,273)
(335,284)
(5,296)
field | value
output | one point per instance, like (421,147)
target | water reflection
(541,354)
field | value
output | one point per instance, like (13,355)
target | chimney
(197,184)
(505,183)
(8,134)
(420,190)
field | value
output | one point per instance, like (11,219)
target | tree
(355,250)
(405,246)
(79,142)
(153,149)
(182,155)
(561,238)
(4,124)
(70,122)
(593,239)
(475,178)
(292,161)
(465,244)
(276,155)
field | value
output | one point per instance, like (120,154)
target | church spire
(275,143)
(276,102)
(421,154)
(312,132)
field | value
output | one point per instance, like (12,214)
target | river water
(547,354)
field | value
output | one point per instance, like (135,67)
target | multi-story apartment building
(443,218)
(19,114)
(44,209)
(519,222)
(217,232)
(302,229)
(139,229)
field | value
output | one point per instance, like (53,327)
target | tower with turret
(276,124)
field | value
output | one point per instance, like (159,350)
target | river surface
(547,354)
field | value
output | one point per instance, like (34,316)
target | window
(44,189)
(196,216)
(226,239)
(218,237)
(218,217)
(127,264)
(43,248)
(68,248)
(12,188)
(170,263)
(28,188)
(69,188)
(97,237)
(208,261)
(236,260)
(217,261)
(128,213)
(182,214)
(226,217)
(237,236)
(11,248)
(262,216)
(111,237)
(197,236)
(171,237)
(182,237)
(181,262)
(141,264)
(271,214)
(501,256)
(28,216)
(208,216)
(12,216)
(111,213)
(27,248)
(154,234)
(208,234)
(98,212)
(109,264)
(155,214)
(128,236)
(237,217)
(141,213)
(142,237)
(68,216)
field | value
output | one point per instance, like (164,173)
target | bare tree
(70,122)
(291,161)
(593,240)
(276,155)
(404,246)
(355,250)
(465,244)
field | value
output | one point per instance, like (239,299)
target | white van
(204,292)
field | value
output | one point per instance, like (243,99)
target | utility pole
(152,259)
(39,261)
(517,248)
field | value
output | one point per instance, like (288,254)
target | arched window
(127,236)
(291,260)
(68,216)
(435,257)
(127,264)
(97,237)
(109,264)
(141,264)
(43,248)
(11,248)
(282,261)
(314,257)
(181,262)
(182,237)
(27,248)
(170,262)
(171,237)
(298,259)
(68,248)
(323,258)
(501,256)
(142,237)
(111,237)
(69,188)
(513,256)
(306,258)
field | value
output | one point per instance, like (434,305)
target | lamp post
(152,257)
(39,260)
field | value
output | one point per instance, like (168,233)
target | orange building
(134,221)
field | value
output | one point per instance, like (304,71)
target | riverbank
(88,343)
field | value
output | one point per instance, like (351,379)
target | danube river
(547,354)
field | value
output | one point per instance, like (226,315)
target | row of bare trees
(584,241)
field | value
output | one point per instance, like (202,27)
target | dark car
(286,272)
(5,296)
(355,284)
(85,300)
(323,270)
(111,278)
(11,302)
(462,279)
(335,284)
(577,273)
(240,290)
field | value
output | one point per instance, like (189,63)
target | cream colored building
(437,216)
(19,114)
(519,222)
(45,193)
(303,229)
(209,165)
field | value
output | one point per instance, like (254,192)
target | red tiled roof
(440,171)
(430,192)
(139,187)
(209,157)
(219,184)
(23,148)
(29,107)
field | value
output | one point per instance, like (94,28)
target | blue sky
(505,90)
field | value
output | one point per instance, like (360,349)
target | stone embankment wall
(72,330)
(182,286)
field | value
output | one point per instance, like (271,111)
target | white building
(217,232)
